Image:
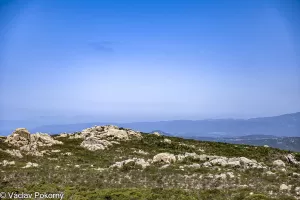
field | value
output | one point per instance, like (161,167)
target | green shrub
(257,197)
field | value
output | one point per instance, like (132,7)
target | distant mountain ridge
(279,126)
(285,143)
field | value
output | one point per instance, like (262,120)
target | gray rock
(297,191)
(5,163)
(278,163)
(30,164)
(284,187)
(164,157)
(137,161)
(291,159)
(13,152)
(94,144)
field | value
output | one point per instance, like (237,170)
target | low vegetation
(83,174)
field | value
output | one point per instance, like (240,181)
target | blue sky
(149,60)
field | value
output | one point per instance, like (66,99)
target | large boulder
(164,157)
(291,159)
(278,163)
(222,161)
(284,187)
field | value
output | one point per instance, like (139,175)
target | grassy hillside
(83,174)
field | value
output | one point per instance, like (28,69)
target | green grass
(132,182)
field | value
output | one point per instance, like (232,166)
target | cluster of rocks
(224,176)
(102,137)
(30,164)
(136,161)
(76,135)
(288,188)
(29,143)
(13,152)
(62,135)
(5,163)
(67,154)
(141,152)
(188,146)
(210,161)
(234,162)
(94,144)
(159,158)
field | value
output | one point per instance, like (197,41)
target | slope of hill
(116,163)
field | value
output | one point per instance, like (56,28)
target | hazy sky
(149,60)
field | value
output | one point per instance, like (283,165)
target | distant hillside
(285,143)
(284,125)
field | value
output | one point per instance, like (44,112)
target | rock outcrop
(164,157)
(136,161)
(94,144)
(278,163)
(224,176)
(284,187)
(291,159)
(75,136)
(235,162)
(5,163)
(156,133)
(101,137)
(222,161)
(297,191)
(30,164)
(19,138)
(269,173)
(168,141)
(62,135)
(29,143)
(141,152)
(13,152)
